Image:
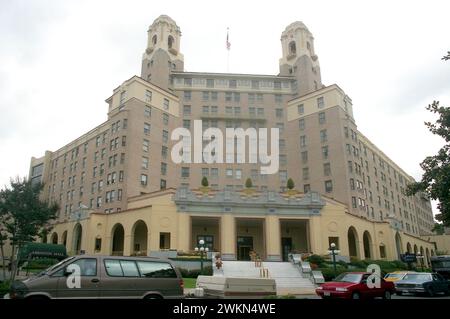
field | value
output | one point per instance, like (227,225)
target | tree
(435,182)
(205,181)
(290,184)
(248,183)
(24,214)
(438,228)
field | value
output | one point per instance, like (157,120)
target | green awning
(40,250)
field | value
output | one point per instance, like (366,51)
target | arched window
(292,48)
(170,41)
(154,39)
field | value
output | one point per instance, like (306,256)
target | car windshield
(417,277)
(51,268)
(354,278)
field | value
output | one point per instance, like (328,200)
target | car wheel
(430,291)
(387,295)
(356,295)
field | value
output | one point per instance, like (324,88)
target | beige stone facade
(176,219)
(104,172)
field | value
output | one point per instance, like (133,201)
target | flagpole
(228,49)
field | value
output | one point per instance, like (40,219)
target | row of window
(232,83)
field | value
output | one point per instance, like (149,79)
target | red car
(353,285)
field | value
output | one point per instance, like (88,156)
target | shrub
(205,181)
(4,288)
(248,183)
(194,273)
(290,184)
(40,263)
(316,259)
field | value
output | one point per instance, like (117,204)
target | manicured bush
(185,273)
(40,263)
(316,259)
(4,288)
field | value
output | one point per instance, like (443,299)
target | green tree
(248,183)
(24,214)
(435,181)
(438,228)
(290,184)
(205,182)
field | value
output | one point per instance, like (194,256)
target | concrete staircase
(288,276)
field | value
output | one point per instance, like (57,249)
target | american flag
(228,42)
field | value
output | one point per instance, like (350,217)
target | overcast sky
(59,61)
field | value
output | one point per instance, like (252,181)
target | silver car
(103,277)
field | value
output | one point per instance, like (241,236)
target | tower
(162,54)
(299,58)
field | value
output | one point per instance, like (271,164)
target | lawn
(189,282)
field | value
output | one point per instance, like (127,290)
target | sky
(60,60)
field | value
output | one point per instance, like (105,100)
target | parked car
(103,277)
(353,285)
(397,275)
(426,283)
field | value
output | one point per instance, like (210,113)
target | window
(165,136)
(282,175)
(210,83)
(328,186)
(320,102)
(303,141)
(188,81)
(300,109)
(144,162)
(301,124)
(145,145)
(148,96)
(162,184)
(165,119)
(260,111)
(255,84)
(205,109)
(146,128)
(185,172)
(322,119)
(323,136)
(304,156)
(164,151)
(354,204)
(187,124)
(144,179)
(229,172)
(214,172)
(186,110)
(99,202)
(163,168)
(187,95)
(152,269)
(278,97)
(166,104)
(228,96)
(88,266)
(324,152)
(306,188)
(238,173)
(232,83)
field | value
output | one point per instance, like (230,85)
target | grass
(189,282)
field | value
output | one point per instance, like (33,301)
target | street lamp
(202,249)
(421,257)
(333,252)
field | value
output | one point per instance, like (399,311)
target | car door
(119,279)
(439,284)
(82,282)
(158,277)
(366,292)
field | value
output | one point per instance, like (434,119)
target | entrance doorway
(244,246)
(286,246)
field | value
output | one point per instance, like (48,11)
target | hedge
(207,271)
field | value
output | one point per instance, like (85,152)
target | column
(228,237)
(184,232)
(273,238)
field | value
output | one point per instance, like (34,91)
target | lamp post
(333,253)
(201,247)
(420,256)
